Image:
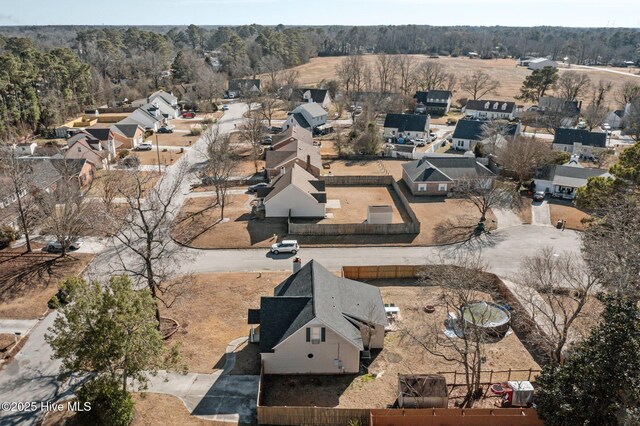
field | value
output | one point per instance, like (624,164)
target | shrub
(7,236)
(110,405)
(122,154)
(195,131)
(148,133)
(130,162)
(207,121)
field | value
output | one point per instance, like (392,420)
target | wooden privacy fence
(454,416)
(381,272)
(410,227)
(311,416)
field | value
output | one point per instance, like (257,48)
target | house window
(442,187)
(316,335)
(422,187)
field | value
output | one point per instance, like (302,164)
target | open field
(503,70)
(568,212)
(212,311)
(400,356)
(28,280)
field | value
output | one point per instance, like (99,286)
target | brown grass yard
(568,212)
(212,312)
(150,158)
(28,280)
(503,70)
(176,139)
(124,179)
(400,356)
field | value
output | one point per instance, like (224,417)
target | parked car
(225,107)
(582,124)
(275,129)
(420,142)
(56,247)
(188,114)
(538,196)
(451,121)
(286,246)
(145,146)
(267,140)
(606,126)
(254,188)
(165,129)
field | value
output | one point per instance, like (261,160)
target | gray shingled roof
(128,130)
(314,292)
(445,168)
(488,106)
(317,95)
(585,137)
(564,175)
(472,130)
(406,122)
(299,118)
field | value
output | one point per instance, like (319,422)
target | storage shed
(380,215)
(422,391)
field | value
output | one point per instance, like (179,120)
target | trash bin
(559,224)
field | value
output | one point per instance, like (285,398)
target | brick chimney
(308,162)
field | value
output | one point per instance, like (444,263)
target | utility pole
(158,152)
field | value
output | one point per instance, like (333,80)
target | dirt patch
(29,280)
(150,158)
(6,342)
(124,181)
(354,202)
(212,312)
(355,168)
(378,388)
(570,213)
(524,211)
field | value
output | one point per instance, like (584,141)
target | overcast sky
(574,13)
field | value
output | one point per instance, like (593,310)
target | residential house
(579,142)
(567,107)
(291,134)
(307,95)
(242,87)
(400,151)
(318,323)
(540,63)
(106,138)
(438,174)
(85,145)
(433,102)
(168,98)
(79,170)
(490,110)
(468,133)
(564,181)
(615,119)
(128,136)
(296,152)
(523,61)
(168,111)
(147,118)
(294,192)
(406,126)
(308,116)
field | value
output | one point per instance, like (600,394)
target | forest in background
(48,74)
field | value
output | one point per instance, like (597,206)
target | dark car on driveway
(165,129)
(254,188)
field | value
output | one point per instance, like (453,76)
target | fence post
(455,376)
(509,376)
(529,378)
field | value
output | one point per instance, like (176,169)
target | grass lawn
(400,356)
(212,312)
(28,280)
(568,212)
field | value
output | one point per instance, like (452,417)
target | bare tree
(554,289)
(251,133)
(631,119)
(268,103)
(386,69)
(109,186)
(494,134)
(144,243)
(290,78)
(462,283)
(486,193)
(66,213)
(221,164)
(600,92)
(407,66)
(572,84)
(523,155)
(432,75)
(478,84)
(627,93)
(350,73)
(272,65)
(19,174)
(594,115)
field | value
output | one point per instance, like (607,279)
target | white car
(56,247)
(420,142)
(145,146)
(286,246)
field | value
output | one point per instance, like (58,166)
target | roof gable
(491,105)
(406,122)
(564,136)
(445,168)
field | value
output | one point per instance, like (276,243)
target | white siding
(544,185)
(300,203)
(292,355)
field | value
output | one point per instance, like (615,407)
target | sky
(571,13)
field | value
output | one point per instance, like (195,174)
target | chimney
(297,264)
(308,162)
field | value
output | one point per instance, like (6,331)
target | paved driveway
(540,214)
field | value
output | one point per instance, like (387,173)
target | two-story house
(433,102)
(308,116)
(490,110)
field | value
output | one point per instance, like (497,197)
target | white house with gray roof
(318,323)
(438,174)
(565,180)
(308,116)
(295,192)
(490,110)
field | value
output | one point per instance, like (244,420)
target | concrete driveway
(540,214)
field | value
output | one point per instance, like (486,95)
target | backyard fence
(454,416)
(381,272)
(410,227)
(488,377)
(311,415)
